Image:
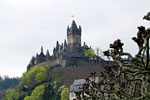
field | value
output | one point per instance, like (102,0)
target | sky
(26,25)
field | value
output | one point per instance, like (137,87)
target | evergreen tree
(48,93)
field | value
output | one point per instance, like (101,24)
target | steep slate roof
(77,84)
(47,55)
(73,26)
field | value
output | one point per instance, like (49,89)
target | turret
(74,37)
(65,46)
(42,53)
(73,29)
(65,43)
(80,29)
(61,46)
(84,44)
(47,55)
(54,52)
(41,56)
(57,46)
(37,55)
(32,63)
(68,29)
(41,49)
(85,47)
(73,26)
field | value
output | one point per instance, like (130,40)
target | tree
(58,83)
(8,83)
(0,78)
(65,94)
(29,98)
(37,93)
(90,54)
(57,86)
(33,77)
(125,80)
(49,92)
(12,94)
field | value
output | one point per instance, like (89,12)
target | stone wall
(76,62)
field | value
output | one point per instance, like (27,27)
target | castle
(69,53)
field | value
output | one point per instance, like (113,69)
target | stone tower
(74,37)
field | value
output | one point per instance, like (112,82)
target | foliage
(29,98)
(57,82)
(49,93)
(126,80)
(6,83)
(33,86)
(90,54)
(33,77)
(65,94)
(37,93)
(11,94)
(43,92)
(57,85)
(2,94)
(28,82)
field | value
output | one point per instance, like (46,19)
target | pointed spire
(37,55)
(65,43)
(57,45)
(41,56)
(54,50)
(68,29)
(84,44)
(47,55)
(80,29)
(32,59)
(61,47)
(74,26)
(41,48)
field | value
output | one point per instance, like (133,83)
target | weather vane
(72,17)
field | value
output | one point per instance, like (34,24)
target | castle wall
(85,62)
(77,62)
(54,63)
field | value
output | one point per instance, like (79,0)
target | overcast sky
(26,25)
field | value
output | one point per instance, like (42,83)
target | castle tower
(74,37)
(41,56)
